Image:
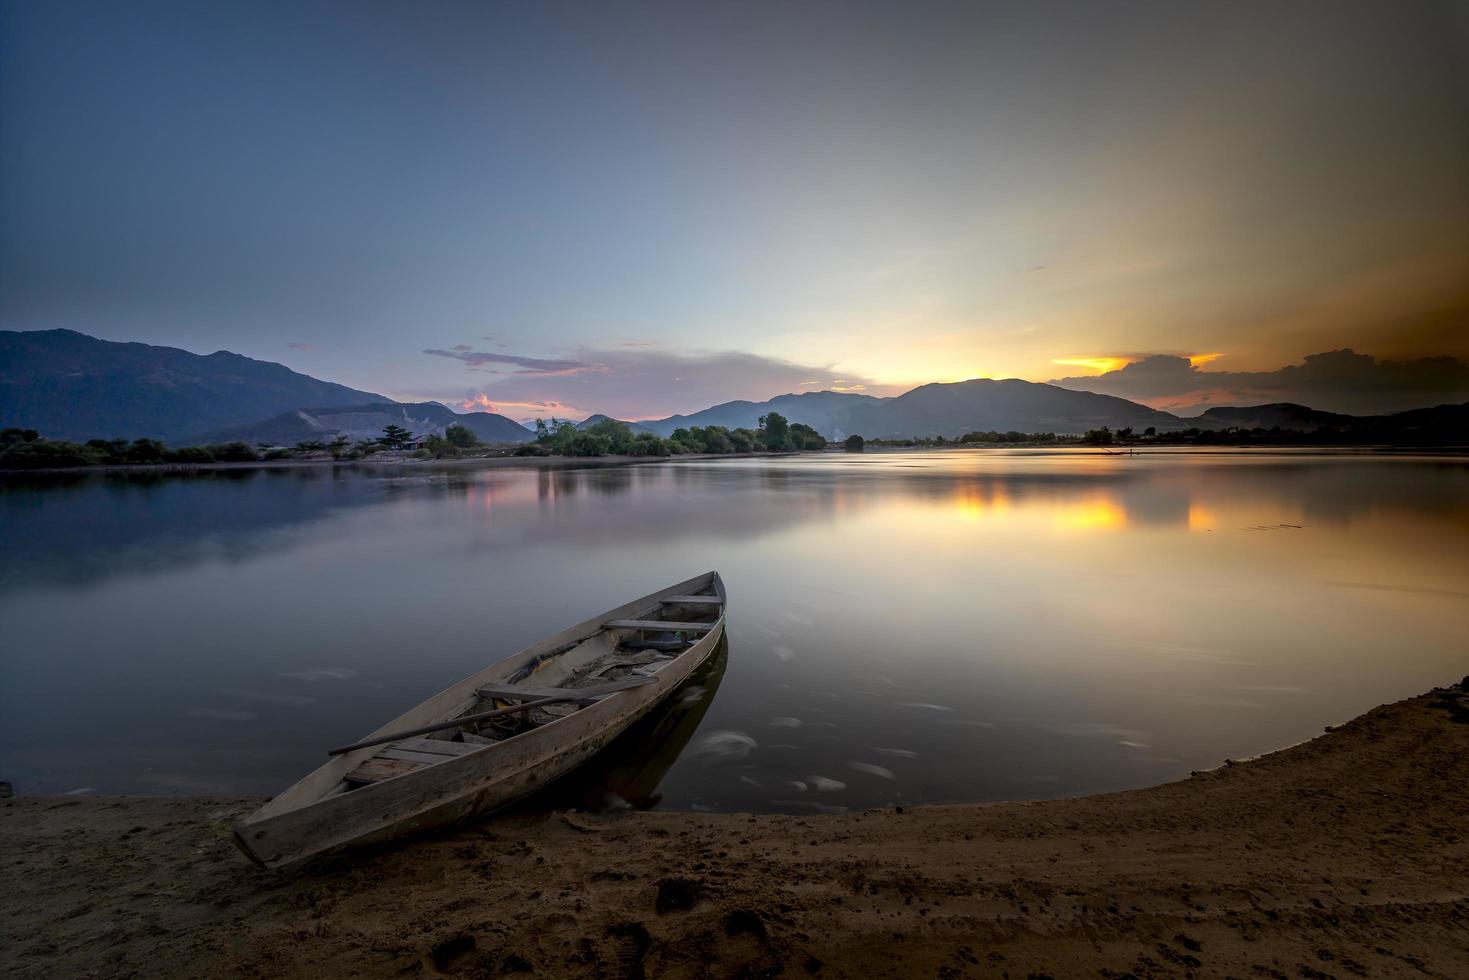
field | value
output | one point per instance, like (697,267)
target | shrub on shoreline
(26,449)
(613,438)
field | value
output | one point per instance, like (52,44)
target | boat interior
(623,654)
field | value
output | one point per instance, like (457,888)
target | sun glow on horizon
(1101,365)
(1196,360)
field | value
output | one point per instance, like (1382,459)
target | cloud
(300,346)
(478,401)
(1337,381)
(527,365)
(1102,364)
(641,383)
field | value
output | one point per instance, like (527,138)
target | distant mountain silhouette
(822,410)
(70,386)
(592,420)
(984,405)
(365,422)
(1441,425)
(1284,415)
(937,409)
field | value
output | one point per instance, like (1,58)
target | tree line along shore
(27,449)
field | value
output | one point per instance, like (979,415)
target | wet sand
(1344,856)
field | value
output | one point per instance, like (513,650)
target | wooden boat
(630,769)
(499,734)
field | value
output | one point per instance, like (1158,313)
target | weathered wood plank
(375,770)
(666,646)
(438,746)
(472,719)
(408,755)
(564,693)
(658,624)
(458,721)
(692,600)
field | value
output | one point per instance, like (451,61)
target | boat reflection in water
(627,772)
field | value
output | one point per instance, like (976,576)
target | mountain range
(68,385)
(592,420)
(366,422)
(71,386)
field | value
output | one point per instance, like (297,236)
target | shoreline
(527,462)
(1340,856)
(569,462)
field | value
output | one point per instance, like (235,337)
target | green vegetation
(456,441)
(612,438)
(396,437)
(979,439)
(1445,425)
(854,444)
(461,437)
(607,438)
(775,431)
(25,449)
(983,438)
(804,437)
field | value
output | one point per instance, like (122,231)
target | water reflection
(913,626)
(82,528)
(627,772)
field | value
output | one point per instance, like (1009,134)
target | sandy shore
(1344,856)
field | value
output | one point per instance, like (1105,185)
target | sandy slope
(1346,856)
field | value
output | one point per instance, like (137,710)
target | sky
(642,209)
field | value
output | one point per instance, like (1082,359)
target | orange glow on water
(1201,518)
(973,504)
(1099,513)
(1002,512)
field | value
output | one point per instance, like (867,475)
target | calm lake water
(903,627)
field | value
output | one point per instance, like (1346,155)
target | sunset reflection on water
(904,626)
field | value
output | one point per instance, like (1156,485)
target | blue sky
(686,203)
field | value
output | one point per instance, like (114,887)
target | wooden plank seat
(692,600)
(433,746)
(375,770)
(520,693)
(407,755)
(657,625)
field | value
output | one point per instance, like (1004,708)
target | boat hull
(286,832)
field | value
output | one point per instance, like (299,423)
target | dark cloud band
(1339,381)
(641,382)
(527,365)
